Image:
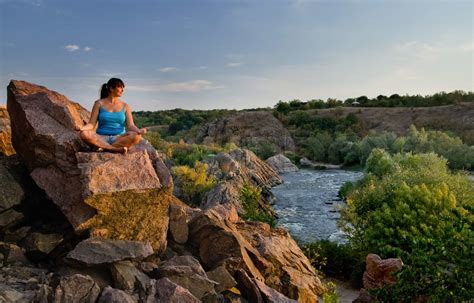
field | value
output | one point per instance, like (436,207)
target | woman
(113,116)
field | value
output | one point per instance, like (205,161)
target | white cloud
(110,74)
(176,87)
(422,50)
(203,67)
(168,69)
(87,49)
(72,47)
(234,64)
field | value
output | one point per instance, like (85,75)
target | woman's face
(116,91)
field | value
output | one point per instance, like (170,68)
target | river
(307,203)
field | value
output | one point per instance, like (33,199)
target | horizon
(237,54)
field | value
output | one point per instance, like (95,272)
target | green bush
(412,207)
(194,182)
(253,210)
(336,260)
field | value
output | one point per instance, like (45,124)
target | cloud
(72,47)
(234,64)
(110,75)
(75,48)
(203,67)
(176,87)
(425,51)
(168,69)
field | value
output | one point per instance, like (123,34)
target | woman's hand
(142,131)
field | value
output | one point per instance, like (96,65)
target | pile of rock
(131,240)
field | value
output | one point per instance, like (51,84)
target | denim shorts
(110,138)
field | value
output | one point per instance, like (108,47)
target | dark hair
(112,83)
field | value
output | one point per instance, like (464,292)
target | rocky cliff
(142,244)
(252,128)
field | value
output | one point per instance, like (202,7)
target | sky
(210,54)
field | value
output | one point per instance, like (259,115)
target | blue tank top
(111,123)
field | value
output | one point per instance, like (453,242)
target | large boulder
(114,195)
(252,128)
(267,255)
(281,164)
(6,146)
(293,274)
(164,290)
(378,272)
(76,288)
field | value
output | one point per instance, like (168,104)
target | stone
(248,287)
(164,290)
(127,193)
(223,277)
(6,147)
(271,295)
(113,295)
(247,128)
(10,294)
(16,235)
(11,193)
(39,245)
(227,212)
(178,227)
(292,273)
(95,251)
(9,218)
(76,288)
(219,242)
(281,164)
(186,272)
(378,272)
(15,255)
(126,276)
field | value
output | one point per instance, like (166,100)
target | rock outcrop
(281,164)
(114,195)
(159,249)
(252,128)
(235,169)
(269,256)
(379,272)
(6,146)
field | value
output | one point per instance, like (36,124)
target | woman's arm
(93,119)
(130,124)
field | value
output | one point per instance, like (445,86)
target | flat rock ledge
(95,251)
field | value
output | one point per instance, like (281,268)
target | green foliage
(412,207)
(263,150)
(176,120)
(336,260)
(331,295)
(194,182)
(437,99)
(253,210)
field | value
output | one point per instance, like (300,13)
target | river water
(307,203)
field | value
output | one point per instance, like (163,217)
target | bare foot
(119,150)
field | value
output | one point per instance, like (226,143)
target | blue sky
(237,54)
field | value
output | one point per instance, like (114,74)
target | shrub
(194,182)
(253,210)
(412,207)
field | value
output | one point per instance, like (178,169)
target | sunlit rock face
(6,146)
(116,196)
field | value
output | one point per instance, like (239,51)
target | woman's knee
(136,138)
(86,135)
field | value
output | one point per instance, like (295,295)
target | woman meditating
(113,116)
